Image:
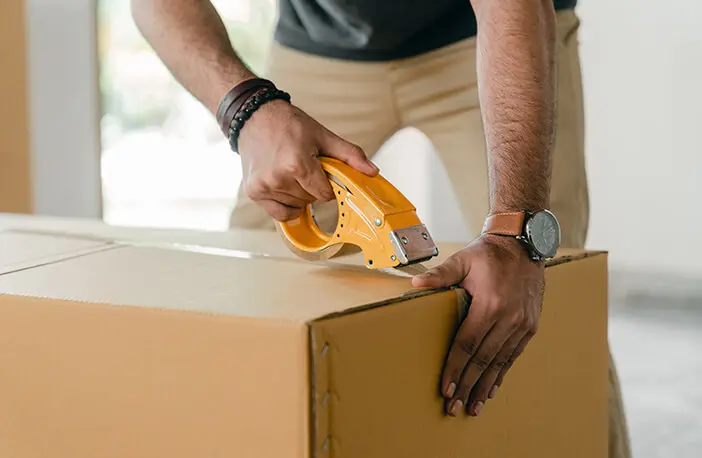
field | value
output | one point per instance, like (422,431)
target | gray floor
(657,345)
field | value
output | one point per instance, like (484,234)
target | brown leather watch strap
(510,223)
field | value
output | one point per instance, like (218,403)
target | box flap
(173,279)
(20,250)
(228,282)
(261,243)
(256,241)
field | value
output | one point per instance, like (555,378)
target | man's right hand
(279,146)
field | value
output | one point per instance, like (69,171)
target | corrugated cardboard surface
(21,250)
(80,380)
(285,290)
(380,371)
(261,242)
(141,351)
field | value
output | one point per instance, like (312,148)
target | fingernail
(450,390)
(477,407)
(456,407)
(372,164)
(493,391)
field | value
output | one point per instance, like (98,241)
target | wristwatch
(539,231)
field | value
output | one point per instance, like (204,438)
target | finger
(284,181)
(451,272)
(294,190)
(353,155)
(279,186)
(315,182)
(510,361)
(485,387)
(279,211)
(479,363)
(465,345)
(288,199)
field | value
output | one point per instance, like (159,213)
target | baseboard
(642,289)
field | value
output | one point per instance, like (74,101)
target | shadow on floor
(657,346)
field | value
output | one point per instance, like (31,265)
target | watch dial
(544,233)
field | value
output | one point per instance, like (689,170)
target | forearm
(516,81)
(191,39)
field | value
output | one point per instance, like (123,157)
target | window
(164,161)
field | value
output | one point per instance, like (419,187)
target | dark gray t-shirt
(376,30)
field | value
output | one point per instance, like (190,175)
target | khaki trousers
(437,93)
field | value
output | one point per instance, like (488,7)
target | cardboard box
(140,351)
(15,150)
(20,250)
(263,243)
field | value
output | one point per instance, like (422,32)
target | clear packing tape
(351,261)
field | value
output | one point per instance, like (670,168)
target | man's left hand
(507,288)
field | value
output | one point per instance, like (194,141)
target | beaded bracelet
(256,101)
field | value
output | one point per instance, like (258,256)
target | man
(480,78)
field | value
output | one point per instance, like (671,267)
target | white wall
(642,65)
(642,71)
(64,108)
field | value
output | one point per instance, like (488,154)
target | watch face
(544,233)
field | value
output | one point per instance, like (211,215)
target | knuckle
(497,311)
(500,364)
(282,214)
(481,362)
(295,168)
(286,216)
(519,320)
(275,182)
(455,261)
(322,186)
(296,128)
(532,326)
(356,150)
(278,216)
(495,305)
(441,270)
(256,188)
(468,346)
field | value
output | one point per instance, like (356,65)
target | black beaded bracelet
(255,102)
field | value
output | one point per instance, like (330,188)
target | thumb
(353,155)
(451,272)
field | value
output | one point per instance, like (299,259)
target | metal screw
(425,236)
(404,240)
(378,222)
(392,257)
